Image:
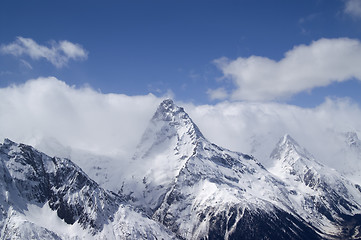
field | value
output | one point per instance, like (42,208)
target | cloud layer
(47,110)
(303,68)
(58,53)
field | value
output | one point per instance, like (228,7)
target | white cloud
(47,108)
(58,53)
(353,7)
(217,94)
(303,68)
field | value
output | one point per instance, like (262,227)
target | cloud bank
(303,68)
(47,110)
(58,53)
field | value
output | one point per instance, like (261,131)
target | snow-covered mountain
(321,195)
(178,185)
(202,191)
(52,198)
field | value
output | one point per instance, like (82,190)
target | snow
(177,181)
(129,224)
(44,217)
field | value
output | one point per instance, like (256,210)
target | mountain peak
(170,125)
(290,160)
(174,116)
(167,110)
(167,103)
(286,145)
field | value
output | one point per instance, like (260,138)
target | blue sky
(138,47)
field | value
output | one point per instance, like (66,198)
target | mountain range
(178,185)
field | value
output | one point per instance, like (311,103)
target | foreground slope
(52,198)
(202,191)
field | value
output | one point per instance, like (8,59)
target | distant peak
(286,144)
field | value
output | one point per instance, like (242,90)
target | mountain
(321,195)
(178,185)
(52,198)
(199,190)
